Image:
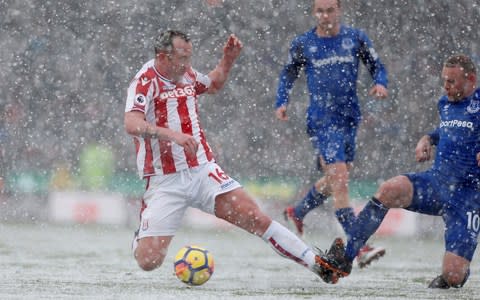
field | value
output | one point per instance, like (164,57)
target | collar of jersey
(161,76)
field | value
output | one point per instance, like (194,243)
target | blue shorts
(334,143)
(459,207)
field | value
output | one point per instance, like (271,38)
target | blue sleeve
(371,60)
(434,136)
(290,72)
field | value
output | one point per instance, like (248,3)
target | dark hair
(164,42)
(462,61)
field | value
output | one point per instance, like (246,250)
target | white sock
(288,245)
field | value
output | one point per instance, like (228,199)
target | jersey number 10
(473,220)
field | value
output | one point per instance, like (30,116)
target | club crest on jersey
(473,107)
(347,43)
(140,99)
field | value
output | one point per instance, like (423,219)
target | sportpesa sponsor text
(456,123)
(339,59)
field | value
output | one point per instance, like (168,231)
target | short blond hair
(463,61)
(164,41)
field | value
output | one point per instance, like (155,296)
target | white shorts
(168,196)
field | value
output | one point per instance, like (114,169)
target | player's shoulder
(191,75)
(147,71)
(443,100)
(442,103)
(353,32)
(303,38)
(348,30)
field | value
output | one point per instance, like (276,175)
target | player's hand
(478,158)
(378,91)
(232,48)
(424,149)
(186,141)
(281,113)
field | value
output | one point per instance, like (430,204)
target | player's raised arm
(219,75)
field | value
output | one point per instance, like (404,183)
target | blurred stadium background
(65,157)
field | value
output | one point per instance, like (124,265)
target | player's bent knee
(395,192)
(149,263)
(456,269)
(149,258)
(147,266)
(382,194)
(456,279)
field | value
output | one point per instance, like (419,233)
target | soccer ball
(193,265)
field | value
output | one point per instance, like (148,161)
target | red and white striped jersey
(170,105)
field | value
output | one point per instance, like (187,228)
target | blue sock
(368,221)
(312,200)
(346,217)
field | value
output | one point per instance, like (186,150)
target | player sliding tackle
(176,161)
(450,188)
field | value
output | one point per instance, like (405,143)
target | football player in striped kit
(174,158)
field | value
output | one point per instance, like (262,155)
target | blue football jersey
(458,141)
(331,66)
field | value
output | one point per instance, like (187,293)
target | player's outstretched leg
(333,265)
(367,222)
(238,208)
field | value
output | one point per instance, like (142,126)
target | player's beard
(178,74)
(456,97)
